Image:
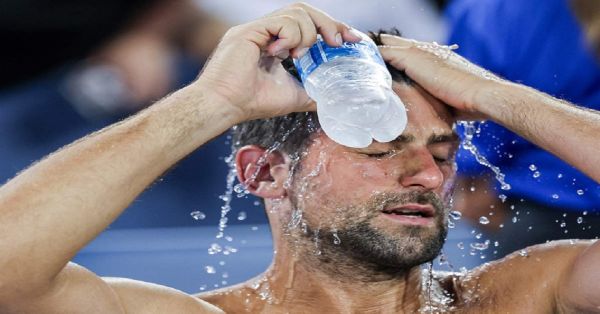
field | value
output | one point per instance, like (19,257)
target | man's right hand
(245,70)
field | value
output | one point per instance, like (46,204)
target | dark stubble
(377,252)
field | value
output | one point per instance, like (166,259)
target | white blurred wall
(416,19)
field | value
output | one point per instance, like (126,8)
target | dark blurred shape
(440,4)
(39,35)
(588,14)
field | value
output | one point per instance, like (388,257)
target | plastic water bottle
(353,91)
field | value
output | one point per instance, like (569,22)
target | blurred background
(71,67)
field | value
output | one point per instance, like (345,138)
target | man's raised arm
(569,132)
(51,210)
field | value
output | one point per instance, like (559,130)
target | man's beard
(376,251)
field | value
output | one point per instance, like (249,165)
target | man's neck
(297,281)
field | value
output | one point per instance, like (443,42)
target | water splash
(198,215)
(480,246)
(210,270)
(456,215)
(442,51)
(470,129)
(336,238)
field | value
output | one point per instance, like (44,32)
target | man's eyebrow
(404,138)
(443,138)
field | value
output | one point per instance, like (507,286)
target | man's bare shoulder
(143,297)
(525,280)
(235,299)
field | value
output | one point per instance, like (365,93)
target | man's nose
(422,171)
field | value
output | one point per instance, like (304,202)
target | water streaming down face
(351,231)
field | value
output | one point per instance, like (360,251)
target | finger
(287,31)
(397,56)
(397,41)
(308,105)
(333,32)
(351,34)
(308,31)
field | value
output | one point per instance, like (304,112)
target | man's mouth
(412,214)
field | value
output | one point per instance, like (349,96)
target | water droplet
(563,224)
(496,243)
(225,275)
(536,174)
(198,215)
(214,249)
(478,236)
(555,196)
(501,226)
(579,192)
(222,263)
(256,203)
(456,215)
(502,198)
(451,224)
(524,253)
(560,175)
(229,249)
(484,220)
(203,287)
(585,212)
(579,220)
(472,189)
(254,228)
(210,270)
(514,219)
(461,245)
(239,188)
(336,239)
(480,246)
(242,216)
(532,167)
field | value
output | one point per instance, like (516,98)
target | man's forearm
(55,207)
(567,131)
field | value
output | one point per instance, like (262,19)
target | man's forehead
(418,102)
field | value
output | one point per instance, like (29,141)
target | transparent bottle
(353,91)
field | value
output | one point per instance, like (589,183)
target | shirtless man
(368,197)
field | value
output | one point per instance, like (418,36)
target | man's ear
(262,173)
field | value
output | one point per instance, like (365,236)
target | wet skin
(341,193)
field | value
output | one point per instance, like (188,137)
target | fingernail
(283,54)
(355,33)
(338,39)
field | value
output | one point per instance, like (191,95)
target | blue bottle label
(321,53)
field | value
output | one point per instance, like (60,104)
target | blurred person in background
(419,19)
(71,67)
(542,44)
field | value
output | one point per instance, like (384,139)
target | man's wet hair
(291,133)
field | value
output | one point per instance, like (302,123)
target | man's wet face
(387,203)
